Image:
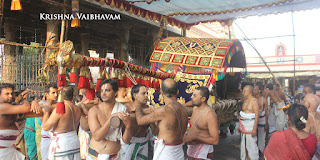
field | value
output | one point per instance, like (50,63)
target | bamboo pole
(255,49)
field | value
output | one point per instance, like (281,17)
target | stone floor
(228,148)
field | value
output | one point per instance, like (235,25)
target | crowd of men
(259,103)
(105,129)
(88,129)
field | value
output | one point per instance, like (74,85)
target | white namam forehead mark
(104,87)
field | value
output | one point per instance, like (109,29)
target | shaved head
(169,87)
(248,87)
(313,100)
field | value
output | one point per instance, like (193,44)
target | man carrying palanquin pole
(64,139)
(172,119)
(105,141)
(8,129)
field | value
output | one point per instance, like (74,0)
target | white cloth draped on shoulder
(115,134)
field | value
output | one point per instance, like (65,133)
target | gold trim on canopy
(198,52)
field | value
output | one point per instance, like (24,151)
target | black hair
(269,86)
(135,89)
(278,85)
(204,91)
(6,85)
(67,93)
(169,91)
(112,82)
(98,94)
(261,87)
(312,87)
(51,85)
(296,112)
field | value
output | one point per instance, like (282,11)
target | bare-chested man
(204,130)
(105,141)
(263,126)
(249,117)
(51,97)
(279,114)
(311,101)
(138,146)
(172,121)
(8,129)
(310,88)
(280,93)
(64,139)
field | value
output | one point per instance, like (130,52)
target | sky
(306,27)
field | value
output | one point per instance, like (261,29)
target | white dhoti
(84,138)
(261,132)
(45,144)
(94,155)
(248,142)
(164,151)
(200,151)
(281,118)
(136,149)
(64,146)
(7,140)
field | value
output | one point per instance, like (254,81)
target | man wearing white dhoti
(7,141)
(172,122)
(263,126)
(105,141)
(281,118)
(138,146)
(8,115)
(50,103)
(249,117)
(64,143)
(204,132)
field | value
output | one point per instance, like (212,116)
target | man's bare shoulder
(210,113)
(94,110)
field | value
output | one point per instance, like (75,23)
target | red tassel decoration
(101,77)
(60,109)
(87,84)
(88,77)
(146,82)
(90,94)
(82,79)
(127,82)
(138,79)
(73,76)
(82,82)
(98,84)
(62,81)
